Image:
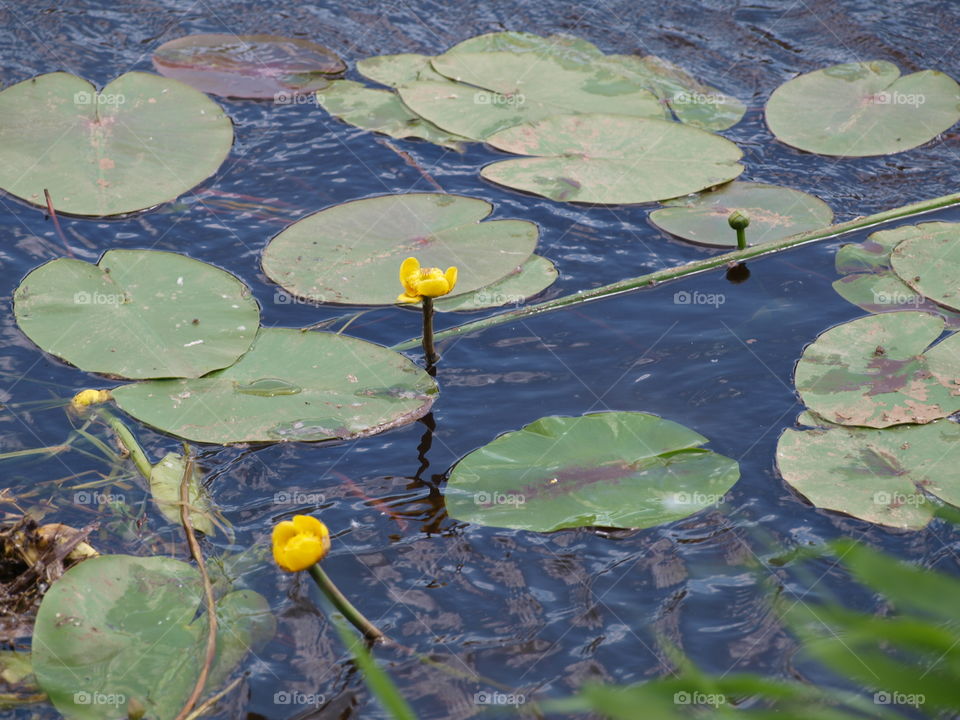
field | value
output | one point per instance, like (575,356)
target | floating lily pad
(881,476)
(382,111)
(881,370)
(290,386)
(863,108)
(118,632)
(612,159)
(397,70)
(775,212)
(138,314)
(351,253)
(928,260)
(141,141)
(165,479)
(497,90)
(529,279)
(611,469)
(248,66)
(870,281)
(565,47)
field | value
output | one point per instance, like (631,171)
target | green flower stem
(429,352)
(127,439)
(698,266)
(340,602)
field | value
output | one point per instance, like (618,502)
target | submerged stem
(127,439)
(429,352)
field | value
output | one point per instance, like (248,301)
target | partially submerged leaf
(928,260)
(165,479)
(382,111)
(775,212)
(881,476)
(610,469)
(351,253)
(863,108)
(881,370)
(612,159)
(141,141)
(118,632)
(330,387)
(532,277)
(248,66)
(138,314)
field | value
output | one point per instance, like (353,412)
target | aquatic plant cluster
(179,346)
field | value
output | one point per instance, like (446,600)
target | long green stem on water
(698,266)
(127,439)
(340,602)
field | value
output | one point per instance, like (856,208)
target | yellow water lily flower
(85,398)
(419,282)
(299,543)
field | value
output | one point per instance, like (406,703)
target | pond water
(538,614)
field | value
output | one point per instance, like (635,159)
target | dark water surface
(539,614)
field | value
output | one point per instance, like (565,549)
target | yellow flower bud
(85,398)
(419,282)
(300,543)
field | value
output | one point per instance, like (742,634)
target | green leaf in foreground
(351,253)
(290,386)
(118,630)
(863,108)
(881,370)
(928,260)
(141,141)
(138,314)
(775,212)
(612,469)
(612,159)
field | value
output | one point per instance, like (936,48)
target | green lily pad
(497,90)
(881,476)
(138,314)
(610,469)
(870,282)
(118,631)
(775,212)
(565,47)
(531,278)
(381,111)
(881,370)
(863,108)
(397,70)
(248,66)
(351,253)
(928,260)
(141,141)
(612,159)
(290,386)
(165,479)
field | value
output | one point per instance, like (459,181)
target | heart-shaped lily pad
(775,212)
(138,314)
(611,469)
(881,476)
(381,111)
(612,159)
(141,141)
(863,108)
(351,253)
(290,386)
(928,260)
(531,278)
(118,632)
(870,282)
(498,90)
(880,370)
(248,66)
